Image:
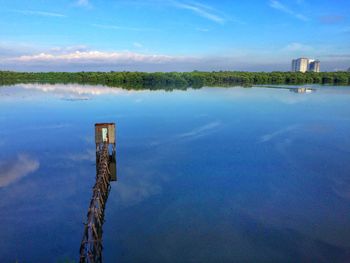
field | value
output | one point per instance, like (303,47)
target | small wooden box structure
(105,133)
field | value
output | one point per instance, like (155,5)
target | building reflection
(302,90)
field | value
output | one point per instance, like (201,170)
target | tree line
(195,79)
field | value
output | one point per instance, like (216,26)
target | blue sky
(180,35)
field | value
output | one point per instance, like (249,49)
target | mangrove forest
(195,79)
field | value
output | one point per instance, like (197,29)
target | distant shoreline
(195,79)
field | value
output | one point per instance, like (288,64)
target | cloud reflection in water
(13,170)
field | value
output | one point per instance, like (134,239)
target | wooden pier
(91,244)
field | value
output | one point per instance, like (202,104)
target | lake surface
(210,175)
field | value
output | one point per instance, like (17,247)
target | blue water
(211,175)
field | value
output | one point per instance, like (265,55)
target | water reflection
(282,131)
(215,174)
(71,89)
(14,169)
(68,92)
(302,90)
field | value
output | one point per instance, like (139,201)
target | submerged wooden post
(91,244)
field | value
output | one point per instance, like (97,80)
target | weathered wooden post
(91,245)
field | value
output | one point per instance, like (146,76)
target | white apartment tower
(300,64)
(314,65)
(305,64)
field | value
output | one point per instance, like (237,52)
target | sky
(172,35)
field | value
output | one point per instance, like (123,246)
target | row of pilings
(91,244)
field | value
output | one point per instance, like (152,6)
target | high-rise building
(300,64)
(305,64)
(314,66)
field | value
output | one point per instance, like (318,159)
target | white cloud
(346,30)
(82,58)
(116,27)
(201,10)
(39,13)
(12,171)
(202,29)
(277,5)
(295,47)
(69,49)
(85,3)
(92,57)
(137,45)
(283,8)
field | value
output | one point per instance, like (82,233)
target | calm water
(210,175)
